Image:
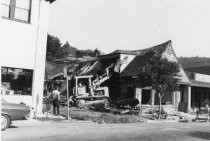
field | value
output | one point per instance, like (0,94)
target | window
(18,10)
(16,81)
(5,8)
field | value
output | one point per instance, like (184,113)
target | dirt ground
(101,117)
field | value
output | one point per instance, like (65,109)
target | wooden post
(90,86)
(76,87)
(67,88)
(160,105)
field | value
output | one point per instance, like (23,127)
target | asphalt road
(86,131)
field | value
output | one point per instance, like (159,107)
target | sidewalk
(49,117)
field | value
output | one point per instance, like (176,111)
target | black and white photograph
(105,70)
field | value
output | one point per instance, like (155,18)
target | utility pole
(67,88)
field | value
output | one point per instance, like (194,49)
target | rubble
(102,117)
(127,102)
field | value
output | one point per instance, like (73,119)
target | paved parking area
(82,131)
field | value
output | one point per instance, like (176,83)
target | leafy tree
(96,52)
(56,50)
(67,51)
(88,52)
(81,53)
(162,75)
(53,47)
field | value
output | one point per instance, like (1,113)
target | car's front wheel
(5,122)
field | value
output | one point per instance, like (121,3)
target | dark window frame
(12,8)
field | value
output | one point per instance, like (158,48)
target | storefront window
(16,81)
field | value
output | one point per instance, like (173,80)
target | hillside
(57,50)
(194,62)
(202,70)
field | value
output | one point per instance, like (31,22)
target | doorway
(146,96)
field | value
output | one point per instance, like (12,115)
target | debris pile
(101,117)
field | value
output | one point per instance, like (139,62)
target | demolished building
(119,72)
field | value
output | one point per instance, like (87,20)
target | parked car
(11,112)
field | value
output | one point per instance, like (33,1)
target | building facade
(24,26)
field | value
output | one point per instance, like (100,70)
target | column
(193,99)
(39,57)
(174,98)
(138,94)
(188,99)
(152,97)
(178,100)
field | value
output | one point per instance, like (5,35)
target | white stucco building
(24,26)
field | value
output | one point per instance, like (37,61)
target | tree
(96,53)
(67,51)
(56,50)
(162,75)
(88,52)
(53,47)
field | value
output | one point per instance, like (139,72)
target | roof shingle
(141,59)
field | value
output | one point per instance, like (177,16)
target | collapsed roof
(132,68)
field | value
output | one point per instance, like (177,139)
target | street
(87,131)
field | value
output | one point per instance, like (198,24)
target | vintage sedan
(11,111)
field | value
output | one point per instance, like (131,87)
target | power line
(197,12)
(186,11)
(192,13)
(199,8)
(172,6)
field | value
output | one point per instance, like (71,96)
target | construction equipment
(91,93)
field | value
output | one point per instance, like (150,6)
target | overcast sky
(133,24)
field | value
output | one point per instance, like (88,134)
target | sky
(109,25)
